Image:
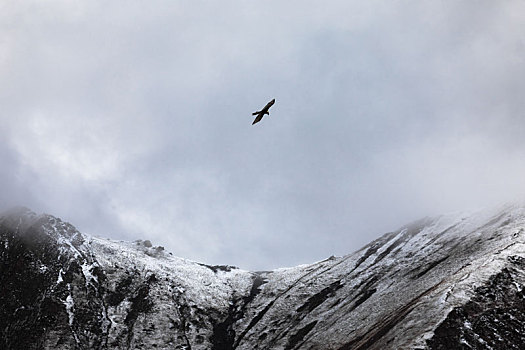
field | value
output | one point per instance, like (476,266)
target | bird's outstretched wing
(258,119)
(268,105)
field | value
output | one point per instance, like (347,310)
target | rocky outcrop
(450,282)
(493,318)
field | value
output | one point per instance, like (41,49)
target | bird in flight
(260,114)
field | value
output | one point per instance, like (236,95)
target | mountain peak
(437,283)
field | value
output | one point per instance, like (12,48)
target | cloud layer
(132,120)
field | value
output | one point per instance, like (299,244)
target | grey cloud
(133,120)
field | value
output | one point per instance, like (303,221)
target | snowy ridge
(198,282)
(437,283)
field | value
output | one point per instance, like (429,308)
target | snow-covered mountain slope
(449,282)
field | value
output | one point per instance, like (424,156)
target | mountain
(450,282)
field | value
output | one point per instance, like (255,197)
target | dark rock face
(493,319)
(445,283)
(34,313)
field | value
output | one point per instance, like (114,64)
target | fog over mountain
(133,120)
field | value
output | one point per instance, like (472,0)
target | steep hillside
(449,282)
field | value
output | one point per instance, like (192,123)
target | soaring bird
(260,114)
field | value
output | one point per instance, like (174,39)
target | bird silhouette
(260,114)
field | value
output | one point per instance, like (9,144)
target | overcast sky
(132,120)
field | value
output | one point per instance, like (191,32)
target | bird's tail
(255,113)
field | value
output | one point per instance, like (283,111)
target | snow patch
(70,306)
(63,242)
(70,309)
(60,279)
(86,271)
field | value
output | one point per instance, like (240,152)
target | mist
(133,120)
